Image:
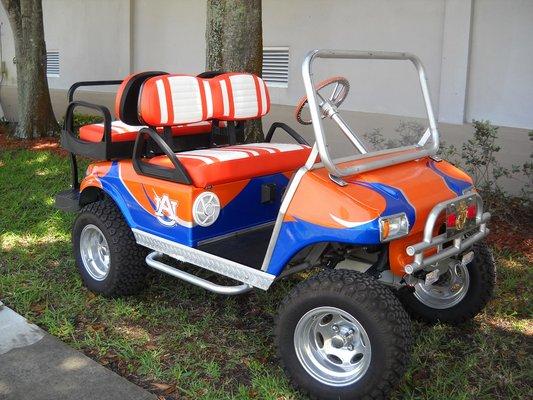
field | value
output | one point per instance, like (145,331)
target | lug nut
(335,328)
(350,347)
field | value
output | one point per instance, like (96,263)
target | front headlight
(469,189)
(393,226)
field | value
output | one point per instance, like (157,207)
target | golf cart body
(176,181)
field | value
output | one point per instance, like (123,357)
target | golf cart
(174,181)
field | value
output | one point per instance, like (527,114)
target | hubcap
(448,291)
(94,252)
(332,346)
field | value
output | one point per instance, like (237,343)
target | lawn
(182,342)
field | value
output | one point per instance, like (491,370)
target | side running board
(231,269)
(195,280)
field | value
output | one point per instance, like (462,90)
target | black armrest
(178,174)
(76,145)
(69,118)
(295,135)
(76,85)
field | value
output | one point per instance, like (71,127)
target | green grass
(183,342)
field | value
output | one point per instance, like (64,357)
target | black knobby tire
(377,310)
(482,277)
(127,267)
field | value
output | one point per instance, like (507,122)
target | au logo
(166,210)
(461,216)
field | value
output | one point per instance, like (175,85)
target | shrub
(6,127)
(478,158)
(410,133)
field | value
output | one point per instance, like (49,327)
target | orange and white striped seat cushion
(169,100)
(121,132)
(234,163)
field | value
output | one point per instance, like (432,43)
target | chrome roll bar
(319,106)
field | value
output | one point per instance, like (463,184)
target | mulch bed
(505,234)
(513,237)
(50,144)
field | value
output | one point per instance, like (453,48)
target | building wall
(378,86)
(169,35)
(501,63)
(477,53)
(93,38)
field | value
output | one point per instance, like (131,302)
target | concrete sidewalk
(37,366)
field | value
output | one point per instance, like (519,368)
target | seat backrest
(239,96)
(181,99)
(170,100)
(127,98)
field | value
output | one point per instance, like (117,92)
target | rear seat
(126,110)
(177,99)
(122,132)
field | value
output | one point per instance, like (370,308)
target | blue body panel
(296,235)
(245,210)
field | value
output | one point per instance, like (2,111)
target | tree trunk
(234,37)
(36,117)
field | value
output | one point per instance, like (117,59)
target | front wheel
(458,295)
(343,335)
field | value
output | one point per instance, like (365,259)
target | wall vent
(52,63)
(276,66)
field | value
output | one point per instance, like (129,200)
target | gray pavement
(37,366)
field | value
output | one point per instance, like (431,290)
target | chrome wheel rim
(448,291)
(332,346)
(94,252)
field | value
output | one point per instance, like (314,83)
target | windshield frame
(397,155)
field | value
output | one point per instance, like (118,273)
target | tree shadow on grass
(29,183)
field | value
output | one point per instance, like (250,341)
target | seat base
(218,165)
(121,132)
(91,143)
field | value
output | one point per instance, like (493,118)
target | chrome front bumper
(459,242)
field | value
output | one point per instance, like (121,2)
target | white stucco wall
(93,38)
(501,63)
(455,58)
(409,25)
(8,49)
(169,35)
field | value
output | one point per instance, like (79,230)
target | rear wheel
(108,258)
(343,335)
(459,294)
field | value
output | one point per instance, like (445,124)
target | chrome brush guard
(458,242)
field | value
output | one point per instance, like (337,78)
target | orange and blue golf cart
(175,183)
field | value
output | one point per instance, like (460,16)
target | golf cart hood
(415,187)
(351,212)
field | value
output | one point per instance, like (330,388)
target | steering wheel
(341,87)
